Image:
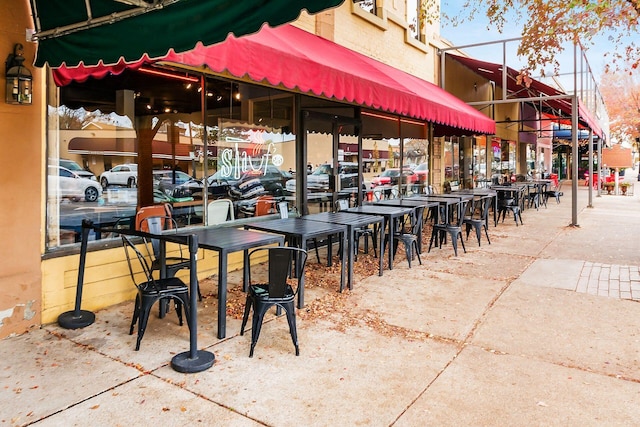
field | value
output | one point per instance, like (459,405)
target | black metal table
(444,202)
(409,202)
(391,215)
(302,230)
(353,221)
(225,240)
(485,192)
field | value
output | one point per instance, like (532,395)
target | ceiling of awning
(288,57)
(533,89)
(90,32)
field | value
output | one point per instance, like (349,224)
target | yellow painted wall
(21,182)
(106,279)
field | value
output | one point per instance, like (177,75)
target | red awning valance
(294,59)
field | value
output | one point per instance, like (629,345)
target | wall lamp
(18,90)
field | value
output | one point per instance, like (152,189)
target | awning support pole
(591,181)
(574,143)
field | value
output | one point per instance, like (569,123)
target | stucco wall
(21,183)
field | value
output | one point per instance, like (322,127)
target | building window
(368,5)
(414,18)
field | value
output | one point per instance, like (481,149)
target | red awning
(562,107)
(300,61)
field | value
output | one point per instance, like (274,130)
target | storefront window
(531,159)
(131,140)
(496,153)
(480,162)
(452,159)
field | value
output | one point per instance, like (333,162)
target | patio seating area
(460,336)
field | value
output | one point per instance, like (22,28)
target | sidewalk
(538,328)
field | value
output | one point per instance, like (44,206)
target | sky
(476,32)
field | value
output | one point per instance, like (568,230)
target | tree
(549,25)
(621,93)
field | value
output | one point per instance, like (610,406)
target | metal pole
(193,360)
(590,183)
(574,144)
(205,145)
(78,318)
(599,166)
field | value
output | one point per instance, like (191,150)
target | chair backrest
(342,204)
(283,208)
(462,208)
(378,194)
(395,192)
(417,220)
(156,225)
(163,210)
(132,253)
(219,211)
(485,207)
(280,261)
(265,205)
(474,209)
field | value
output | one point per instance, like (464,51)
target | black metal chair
(156,225)
(366,232)
(275,289)
(477,218)
(410,235)
(151,290)
(452,228)
(511,204)
(555,192)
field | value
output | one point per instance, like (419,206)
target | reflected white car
(126,174)
(68,184)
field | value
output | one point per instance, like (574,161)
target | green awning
(71,32)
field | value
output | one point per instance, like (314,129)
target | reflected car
(126,174)
(273,180)
(77,169)
(166,180)
(220,183)
(71,185)
(318,180)
(422,171)
(392,176)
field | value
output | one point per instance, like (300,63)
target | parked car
(273,180)
(319,179)
(71,185)
(422,171)
(77,169)
(392,177)
(220,183)
(126,174)
(166,180)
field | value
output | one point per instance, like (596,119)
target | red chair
(163,210)
(265,205)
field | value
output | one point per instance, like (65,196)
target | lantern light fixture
(19,78)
